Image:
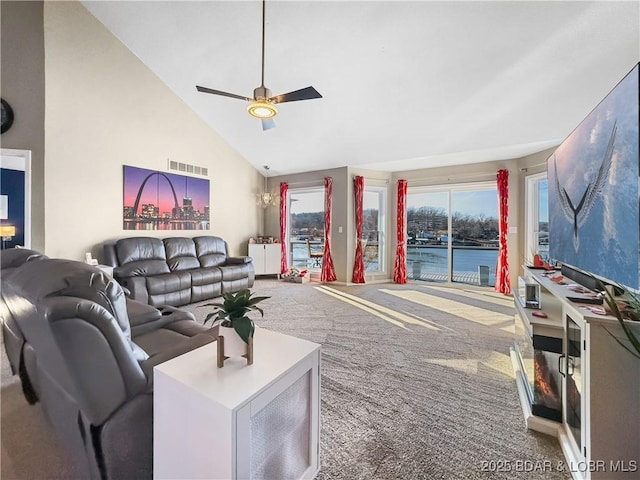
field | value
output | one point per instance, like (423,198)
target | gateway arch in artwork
(144,182)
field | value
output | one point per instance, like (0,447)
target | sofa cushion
(169,282)
(141,313)
(134,249)
(205,276)
(181,253)
(211,251)
(235,272)
(140,257)
(170,289)
(141,268)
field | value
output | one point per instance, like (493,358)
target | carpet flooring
(416,384)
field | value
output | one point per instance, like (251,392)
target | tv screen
(593,190)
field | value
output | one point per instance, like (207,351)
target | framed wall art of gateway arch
(156,200)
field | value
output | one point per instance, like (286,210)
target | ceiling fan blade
(268,124)
(308,93)
(224,94)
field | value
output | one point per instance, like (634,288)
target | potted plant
(231,314)
(625,306)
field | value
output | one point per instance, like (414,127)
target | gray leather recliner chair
(87,354)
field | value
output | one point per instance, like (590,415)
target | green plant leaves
(634,305)
(244,327)
(234,309)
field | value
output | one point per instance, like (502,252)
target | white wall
(105,109)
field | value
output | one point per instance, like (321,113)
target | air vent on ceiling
(188,168)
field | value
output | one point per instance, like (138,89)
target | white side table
(240,421)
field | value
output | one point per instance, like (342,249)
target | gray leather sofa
(178,270)
(87,353)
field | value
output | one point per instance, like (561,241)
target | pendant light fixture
(266,198)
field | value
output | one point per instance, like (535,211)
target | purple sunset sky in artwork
(158,191)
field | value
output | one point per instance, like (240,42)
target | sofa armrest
(134,288)
(190,343)
(110,257)
(238,260)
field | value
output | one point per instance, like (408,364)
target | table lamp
(7,232)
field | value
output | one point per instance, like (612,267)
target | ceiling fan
(263,104)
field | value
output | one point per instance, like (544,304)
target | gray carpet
(416,384)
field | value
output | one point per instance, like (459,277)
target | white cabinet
(602,393)
(599,429)
(239,421)
(266,258)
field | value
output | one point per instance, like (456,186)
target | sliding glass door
(453,233)
(373,232)
(306,228)
(427,234)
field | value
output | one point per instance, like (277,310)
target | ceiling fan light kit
(262,109)
(263,104)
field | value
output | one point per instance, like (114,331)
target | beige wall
(22,86)
(343,244)
(105,109)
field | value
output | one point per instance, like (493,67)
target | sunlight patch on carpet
(509,329)
(468,312)
(499,362)
(379,311)
(497,299)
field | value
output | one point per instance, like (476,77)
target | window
(373,229)
(537,216)
(306,224)
(453,233)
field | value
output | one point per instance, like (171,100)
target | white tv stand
(599,428)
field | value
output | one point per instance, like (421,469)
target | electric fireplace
(539,357)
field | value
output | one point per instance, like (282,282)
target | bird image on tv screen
(593,190)
(578,212)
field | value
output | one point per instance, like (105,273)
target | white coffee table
(240,421)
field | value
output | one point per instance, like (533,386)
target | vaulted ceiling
(405,85)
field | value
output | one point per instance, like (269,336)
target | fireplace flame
(546,390)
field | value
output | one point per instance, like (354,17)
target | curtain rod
(309,183)
(526,169)
(447,177)
(385,180)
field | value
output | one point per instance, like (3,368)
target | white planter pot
(234,346)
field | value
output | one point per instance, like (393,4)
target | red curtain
(284,191)
(328,273)
(400,268)
(503,284)
(358,267)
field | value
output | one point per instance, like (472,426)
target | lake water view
(428,263)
